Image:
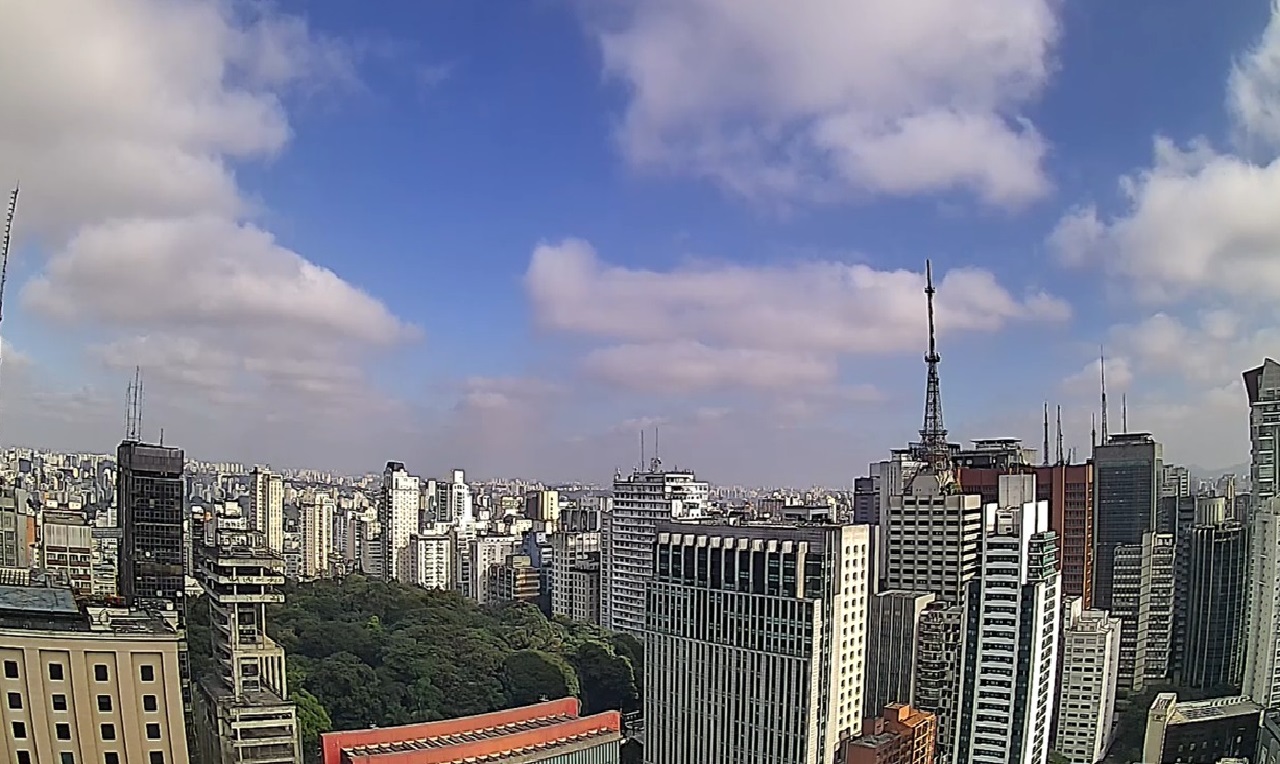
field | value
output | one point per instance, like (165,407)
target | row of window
(110,757)
(147,672)
(149,702)
(62,731)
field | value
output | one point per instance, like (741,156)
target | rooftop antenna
(1102,372)
(1045,459)
(4,253)
(133,408)
(935,452)
(1060,458)
(1093,429)
(642,453)
(1124,411)
(656,463)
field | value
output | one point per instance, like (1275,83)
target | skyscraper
(1143,600)
(1262,385)
(1211,640)
(266,507)
(1087,688)
(1262,650)
(1126,473)
(938,670)
(1010,648)
(641,500)
(754,642)
(316,513)
(398,507)
(893,632)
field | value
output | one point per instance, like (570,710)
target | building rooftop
(1214,708)
(16,600)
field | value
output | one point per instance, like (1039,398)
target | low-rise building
(902,735)
(1200,732)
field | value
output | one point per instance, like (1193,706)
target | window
(59,702)
(63,731)
(24,757)
(19,731)
(149,703)
(157,757)
(108,732)
(148,673)
(67,757)
(15,701)
(100,672)
(110,757)
(104,703)
(10,669)
(55,672)
(153,731)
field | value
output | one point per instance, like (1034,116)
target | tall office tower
(1145,582)
(315,522)
(1263,388)
(266,507)
(866,498)
(1209,642)
(398,506)
(1069,490)
(641,500)
(1262,648)
(1089,671)
(1010,652)
(249,718)
(893,637)
(754,642)
(932,538)
(937,684)
(1126,475)
(575,571)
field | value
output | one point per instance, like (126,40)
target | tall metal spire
(1102,372)
(1045,457)
(934,450)
(1060,453)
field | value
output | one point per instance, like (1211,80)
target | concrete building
(754,642)
(1200,732)
(1262,385)
(937,683)
(543,506)
(429,561)
(1126,473)
(641,501)
(931,538)
(902,735)
(316,513)
(17,528)
(1143,599)
(66,550)
(266,507)
(398,507)
(245,707)
(546,733)
(87,686)
(1269,738)
(1010,648)
(866,498)
(1262,646)
(893,639)
(515,580)
(454,501)
(1211,638)
(1090,669)
(484,555)
(575,567)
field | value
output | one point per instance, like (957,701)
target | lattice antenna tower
(935,450)
(1060,453)
(133,408)
(1045,458)
(10,211)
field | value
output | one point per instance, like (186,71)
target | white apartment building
(429,561)
(754,642)
(575,571)
(454,500)
(1008,667)
(641,501)
(931,539)
(1262,619)
(397,517)
(266,507)
(1087,690)
(315,523)
(486,555)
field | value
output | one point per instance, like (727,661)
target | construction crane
(4,258)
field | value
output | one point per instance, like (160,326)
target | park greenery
(365,653)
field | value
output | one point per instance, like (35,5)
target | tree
(630,648)
(313,719)
(608,681)
(532,676)
(348,689)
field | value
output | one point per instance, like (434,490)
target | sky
(509,237)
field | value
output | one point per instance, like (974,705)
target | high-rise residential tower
(641,500)
(266,507)
(937,685)
(1262,385)
(1010,653)
(398,507)
(1262,634)
(1143,599)
(1126,473)
(1087,687)
(316,513)
(754,642)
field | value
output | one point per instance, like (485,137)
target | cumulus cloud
(828,98)
(125,121)
(1253,91)
(714,326)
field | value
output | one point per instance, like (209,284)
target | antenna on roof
(1124,411)
(1060,457)
(133,407)
(656,464)
(1102,372)
(642,453)
(1045,459)
(1093,430)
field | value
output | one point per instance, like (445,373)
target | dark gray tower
(1126,474)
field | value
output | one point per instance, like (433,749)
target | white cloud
(1253,91)
(125,121)
(1088,381)
(778,327)
(829,98)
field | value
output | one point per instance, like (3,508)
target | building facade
(1262,647)
(1143,599)
(1087,687)
(754,642)
(1212,634)
(266,507)
(937,685)
(1201,732)
(398,506)
(429,560)
(1262,386)
(316,513)
(932,539)
(1010,650)
(900,735)
(1126,473)
(893,639)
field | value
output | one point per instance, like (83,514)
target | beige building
(81,687)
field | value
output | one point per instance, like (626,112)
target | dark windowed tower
(1126,491)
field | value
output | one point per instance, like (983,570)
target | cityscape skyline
(275,223)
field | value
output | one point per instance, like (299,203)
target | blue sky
(508,236)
